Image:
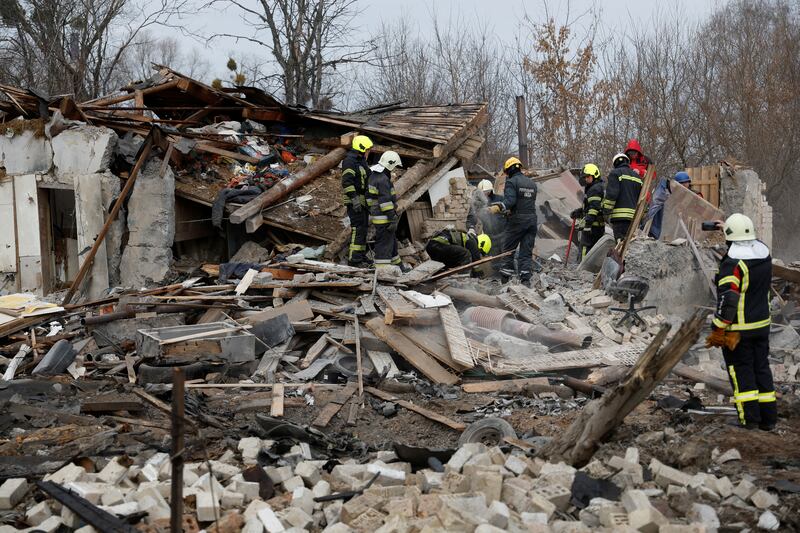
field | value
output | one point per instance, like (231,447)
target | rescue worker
(593,225)
(457,248)
(519,203)
(622,195)
(638,161)
(742,321)
(382,203)
(491,224)
(355,173)
(685,179)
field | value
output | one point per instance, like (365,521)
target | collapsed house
(317,397)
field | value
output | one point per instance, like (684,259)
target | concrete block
(232,499)
(123,509)
(279,474)
(88,490)
(555,494)
(744,489)
(11,492)
(332,512)
(249,447)
(401,507)
(646,520)
(66,474)
(569,526)
(69,518)
(729,455)
(763,499)
(539,504)
(292,483)
(25,153)
(388,475)
(490,484)
(296,517)
(633,500)
(359,505)
(488,528)
(682,528)
(768,521)
(270,520)
(499,514)
(454,483)
(113,472)
(112,496)
(321,488)
(248,489)
(83,150)
(428,480)
(50,525)
(632,455)
(704,514)
(667,475)
(253,508)
(496,455)
(38,513)
(338,528)
(253,525)
(463,454)
(616,520)
(309,471)
(208,507)
(515,493)
(208,483)
(86,529)
(679,499)
(223,471)
(534,518)
(304,499)
(724,486)
(370,520)
(516,465)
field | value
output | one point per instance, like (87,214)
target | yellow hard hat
(485,186)
(739,227)
(484,243)
(590,169)
(361,143)
(510,162)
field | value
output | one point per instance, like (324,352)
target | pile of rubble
(472,488)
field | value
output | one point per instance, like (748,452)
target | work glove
(576,213)
(471,232)
(393,226)
(356,207)
(494,209)
(723,339)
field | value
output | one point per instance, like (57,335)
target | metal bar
(88,512)
(522,131)
(176,494)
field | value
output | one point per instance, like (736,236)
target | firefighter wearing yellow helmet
(519,203)
(590,216)
(355,174)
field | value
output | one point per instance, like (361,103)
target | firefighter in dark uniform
(457,248)
(593,225)
(742,320)
(355,173)
(519,202)
(382,203)
(622,195)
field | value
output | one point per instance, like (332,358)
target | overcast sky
(501,17)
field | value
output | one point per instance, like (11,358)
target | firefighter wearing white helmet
(382,204)
(741,323)
(355,173)
(622,195)
(482,198)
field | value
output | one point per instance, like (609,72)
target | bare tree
(310,41)
(74,46)
(148,49)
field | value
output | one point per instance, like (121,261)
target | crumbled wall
(451,211)
(742,191)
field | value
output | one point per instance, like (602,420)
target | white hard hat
(390,160)
(485,186)
(739,227)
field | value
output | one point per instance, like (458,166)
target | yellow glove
(723,339)
(494,209)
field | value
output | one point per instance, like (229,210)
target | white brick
(763,499)
(11,492)
(67,473)
(69,518)
(279,474)
(292,483)
(304,499)
(206,482)
(113,472)
(322,488)
(309,472)
(149,472)
(632,455)
(86,529)
(87,490)
(124,509)
(296,517)
(231,499)
(207,508)
(253,508)
(112,496)
(270,521)
(50,525)
(38,513)
(253,525)
(223,471)
(249,489)
(516,465)
(499,513)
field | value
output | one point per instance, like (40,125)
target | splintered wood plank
(296,311)
(330,409)
(432,340)
(396,305)
(314,352)
(247,279)
(436,417)
(383,362)
(421,272)
(504,385)
(423,362)
(276,409)
(456,339)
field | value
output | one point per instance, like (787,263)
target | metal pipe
(502,320)
(522,131)
(176,489)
